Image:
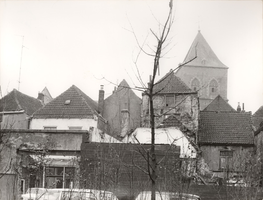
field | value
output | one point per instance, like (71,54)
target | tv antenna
(20,62)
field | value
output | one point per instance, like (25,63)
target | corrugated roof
(225,128)
(219,104)
(73,103)
(205,54)
(171,84)
(16,101)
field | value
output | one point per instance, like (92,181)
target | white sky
(80,42)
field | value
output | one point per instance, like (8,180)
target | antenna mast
(20,62)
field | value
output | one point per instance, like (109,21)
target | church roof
(205,54)
(73,103)
(17,101)
(171,84)
(219,104)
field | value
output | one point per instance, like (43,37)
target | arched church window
(195,85)
(213,87)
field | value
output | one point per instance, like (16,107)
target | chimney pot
(238,107)
(101,100)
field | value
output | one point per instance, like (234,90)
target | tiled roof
(17,101)
(205,55)
(170,121)
(225,128)
(171,84)
(219,104)
(78,105)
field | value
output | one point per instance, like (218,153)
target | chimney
(101,100)
(125,122)
(243,107)
(40,97)
(238,107)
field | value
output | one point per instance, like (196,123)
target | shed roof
(225,128)
(73,103)
(17,101)
(205,54)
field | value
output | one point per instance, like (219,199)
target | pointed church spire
(205,54)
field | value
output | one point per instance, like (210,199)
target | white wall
(164,136)
(63,124)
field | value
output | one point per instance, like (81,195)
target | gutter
(12,112)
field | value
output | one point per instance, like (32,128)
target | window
(195,85)
(225,159)
(169,100)
(60,177)
(22,186)
(213,87)
(75,127)
(50,128)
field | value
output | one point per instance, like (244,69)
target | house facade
(16,109)
(206,73)
(172,98)
(122,110)
(225,138)
(72,110)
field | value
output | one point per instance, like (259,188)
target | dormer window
(67,102)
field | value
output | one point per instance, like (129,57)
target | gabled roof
(47,95)
(219,104)
(258,117)
(73,103)
(259,112)
(225,128)
(17,101)
(170,121)
(122,89)
(205,55)
(171,84)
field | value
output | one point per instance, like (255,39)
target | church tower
(205,74)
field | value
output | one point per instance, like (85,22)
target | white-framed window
(50,128)
(75,127)
(59,177)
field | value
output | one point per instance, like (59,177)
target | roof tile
(225,128)
(79,106)
(219,104)
(171,84)
(16,101)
